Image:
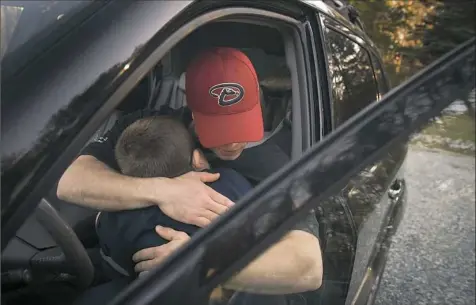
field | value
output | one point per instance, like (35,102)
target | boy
(156,146)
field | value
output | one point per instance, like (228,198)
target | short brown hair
(157,146)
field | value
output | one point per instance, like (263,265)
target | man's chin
(228,157)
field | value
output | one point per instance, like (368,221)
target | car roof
(48,16)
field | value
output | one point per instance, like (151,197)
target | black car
(71,68)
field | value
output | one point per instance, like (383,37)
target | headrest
(181,83)
(272,70)
(281,81)
(276,83)
(277,78)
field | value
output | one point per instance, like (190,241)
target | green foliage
(453,24)
(412,34)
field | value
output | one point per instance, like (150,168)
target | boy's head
(157,146)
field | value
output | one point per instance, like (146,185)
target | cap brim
(217,130)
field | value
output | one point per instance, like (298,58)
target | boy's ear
(198,160)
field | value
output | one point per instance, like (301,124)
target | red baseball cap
(222,91)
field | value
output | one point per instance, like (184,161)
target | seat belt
(266,137)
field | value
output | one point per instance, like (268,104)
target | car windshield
(23,20)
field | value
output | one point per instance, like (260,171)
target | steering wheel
(79,264)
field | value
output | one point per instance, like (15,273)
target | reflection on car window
(22,21)
(9,20)
(353,83)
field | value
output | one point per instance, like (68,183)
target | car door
(321,172)
(351,219)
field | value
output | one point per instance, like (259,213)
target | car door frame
(334,217)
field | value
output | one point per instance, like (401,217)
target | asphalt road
(432,260)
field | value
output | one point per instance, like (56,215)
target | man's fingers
(145,265)
(143,273)
(214,208)
(208,177)
(220,199)
(170,234)
(167,233)
(144,254)
(201,222)
(209,214)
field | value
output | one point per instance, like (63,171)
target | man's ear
(198,160)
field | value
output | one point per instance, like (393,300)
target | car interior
(36,269)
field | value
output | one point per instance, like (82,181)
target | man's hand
(187,199)
(147,259)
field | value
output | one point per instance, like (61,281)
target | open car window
(299,187)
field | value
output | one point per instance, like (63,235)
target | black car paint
(24,171)
(342,216)
(333,225)
(40,25)
(50,108)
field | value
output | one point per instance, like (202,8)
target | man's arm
(92,180)
(91,183)
(292,265)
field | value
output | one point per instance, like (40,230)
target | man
(222,92)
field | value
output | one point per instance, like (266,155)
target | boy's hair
(158,146)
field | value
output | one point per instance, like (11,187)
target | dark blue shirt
(123,233)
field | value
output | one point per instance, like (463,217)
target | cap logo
(227,93)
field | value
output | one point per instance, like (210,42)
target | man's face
(229,151)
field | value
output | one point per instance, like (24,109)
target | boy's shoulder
(227,173)
(231,183)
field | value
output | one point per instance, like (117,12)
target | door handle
(396,189)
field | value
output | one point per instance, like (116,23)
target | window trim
(367,51)
(377,61)
(317,78)
(325,77)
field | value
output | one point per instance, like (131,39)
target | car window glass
(9,20)
(352,79)
(21,21)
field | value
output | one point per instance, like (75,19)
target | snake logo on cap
(227,93)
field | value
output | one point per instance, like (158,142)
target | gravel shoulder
(432,260)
